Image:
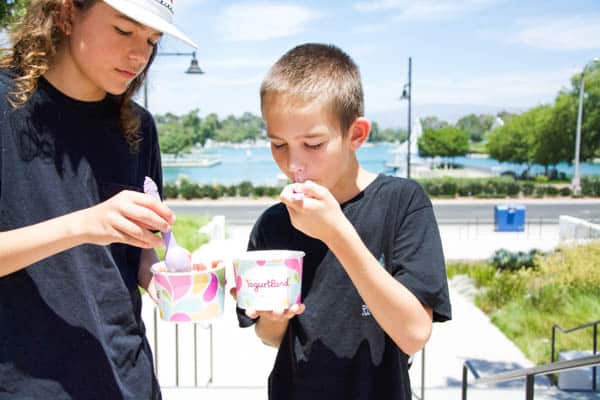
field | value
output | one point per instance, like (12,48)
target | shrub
(551,191)
(170,190)
(448,188)
(189,190)
(565,191)
(245,189)
(512,261)
(230,191)
(527,188)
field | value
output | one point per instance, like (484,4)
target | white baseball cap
(157,14)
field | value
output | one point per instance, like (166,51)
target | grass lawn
(564,288)
(186,232)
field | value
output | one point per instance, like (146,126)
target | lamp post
(407,95)
(576,183)
(194,68)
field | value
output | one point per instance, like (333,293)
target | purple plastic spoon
(176,257)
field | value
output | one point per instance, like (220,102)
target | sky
(467,55)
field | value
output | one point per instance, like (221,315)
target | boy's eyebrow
(133,21)
(306,135)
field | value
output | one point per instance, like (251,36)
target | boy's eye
(313,146)
(277,145)
(122,32)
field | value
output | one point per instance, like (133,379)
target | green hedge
(500,187)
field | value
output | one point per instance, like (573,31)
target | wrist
(76,228)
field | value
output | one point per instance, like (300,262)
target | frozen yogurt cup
(191,296)
(269,279)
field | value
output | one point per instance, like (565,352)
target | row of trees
(546,134)
(543,135)
(179,133)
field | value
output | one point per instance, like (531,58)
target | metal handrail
(528,373)
(593,324)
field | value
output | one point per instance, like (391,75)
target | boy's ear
(359,132)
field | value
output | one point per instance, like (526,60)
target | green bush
(170,191)
(590,186)
(189,190)
(566,191)
(245,189)
(449,188)
(231,191)
(527,188)
(260,191)
(552,191)
(512,261)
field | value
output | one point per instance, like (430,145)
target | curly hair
(35,40)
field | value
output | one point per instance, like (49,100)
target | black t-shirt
(70,325)
(336,349)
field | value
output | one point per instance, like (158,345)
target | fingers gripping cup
(268,280)
(192,296)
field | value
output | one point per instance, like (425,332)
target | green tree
(505,115)
(208,128)
(476,126)
(446,142)
(514,141)
(236,130)
(432,123)
(553,143)
(11,11)
(175,139)
(389,135)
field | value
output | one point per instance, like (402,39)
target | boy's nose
(299,173)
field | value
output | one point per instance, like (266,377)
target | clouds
(425,9)
(261,21)
(581,32)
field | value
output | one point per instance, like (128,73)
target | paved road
(447,212)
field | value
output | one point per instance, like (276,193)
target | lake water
(256,165)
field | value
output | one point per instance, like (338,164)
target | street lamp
(194,68)
(407,95)
(576,183)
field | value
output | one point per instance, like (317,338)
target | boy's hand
(275,315)
(317,214)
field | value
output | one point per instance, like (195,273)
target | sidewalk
(242,363)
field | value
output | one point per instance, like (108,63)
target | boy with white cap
(75,233)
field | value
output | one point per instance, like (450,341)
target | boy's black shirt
(70,324)
(336,349)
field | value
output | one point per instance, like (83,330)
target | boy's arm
(319,215)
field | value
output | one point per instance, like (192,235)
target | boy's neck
(354,183)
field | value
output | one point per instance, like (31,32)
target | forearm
(400,314)
(22,247)
(270,331)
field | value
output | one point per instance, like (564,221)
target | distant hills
(397,118)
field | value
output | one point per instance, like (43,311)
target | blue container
(509,218)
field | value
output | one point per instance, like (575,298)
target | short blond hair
(317,72)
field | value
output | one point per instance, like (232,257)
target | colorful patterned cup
(268,280)
(193,296)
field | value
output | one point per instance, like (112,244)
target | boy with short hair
(374,276)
